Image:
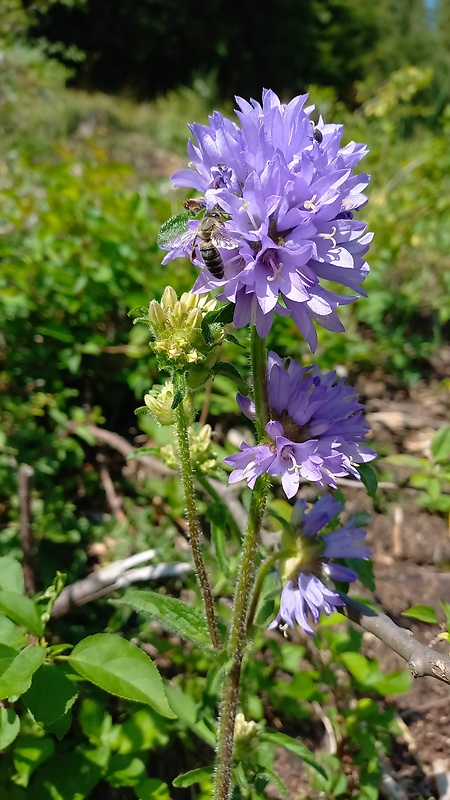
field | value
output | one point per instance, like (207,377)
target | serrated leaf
(193,776)
(369,479)
(224,315)
(122,669)
(21,610)
(11,575)
(300,750)
(173,227)
(230,338)
(230,371)
(268,776)
(17,669)
(50,695)
(9,727)
(422,613)
(176,616)
(179,388)
(440,445)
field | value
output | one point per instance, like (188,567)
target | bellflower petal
(290,201)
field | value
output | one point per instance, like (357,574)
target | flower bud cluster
(177,329)
(159,402)
(202,457)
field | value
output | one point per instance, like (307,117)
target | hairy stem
(194,525)
(239,622)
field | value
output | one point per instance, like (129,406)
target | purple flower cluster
(290,194)
(317,429)
(305,595)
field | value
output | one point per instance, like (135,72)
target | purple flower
(290,201)
(317,429)
(305,595)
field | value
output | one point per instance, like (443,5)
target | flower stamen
(310,205)
(330,236)
(277,273)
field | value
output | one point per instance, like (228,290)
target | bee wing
(221,238)
(184,239)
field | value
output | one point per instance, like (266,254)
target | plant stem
(194,525)
(263,570)
(238,632)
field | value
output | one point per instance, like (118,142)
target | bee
(317,134)
(209,236)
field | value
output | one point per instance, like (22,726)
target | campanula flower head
(306,593)
(287,194)
(316,431)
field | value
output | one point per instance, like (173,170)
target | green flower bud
(246,739)
(177,329)
(202,458)
(159,403)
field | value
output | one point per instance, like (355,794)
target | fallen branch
(420,659)
(118,575)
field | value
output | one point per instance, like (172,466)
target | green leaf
(29,753)
(187,711)
(268,776)
(423,613)
(173,227)
(152,789)
(219,541)
(230,371)
(71,776)
(11,575)
(223,315)
(300,750)
(403,460)
(21,610)
(446,610)
(9,727)
(125,770)
(365,671)
(369,479)
(394,682)
(50,695)
(440,445)
(17,669)
(179,388)
(193,776)
(122,669)
(180,618)
(11,634)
